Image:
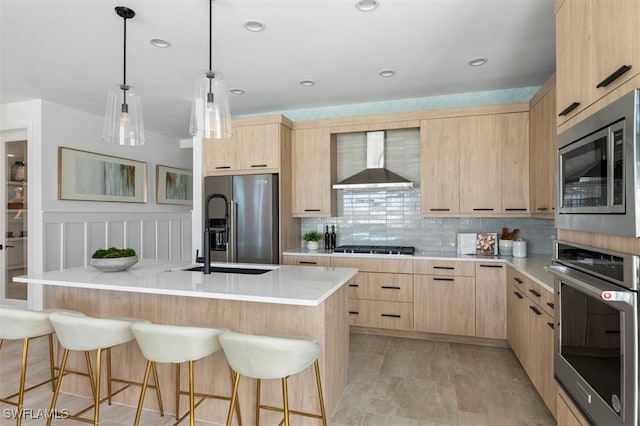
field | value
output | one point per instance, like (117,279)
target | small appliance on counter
(519,248)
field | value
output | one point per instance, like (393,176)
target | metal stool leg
(285,400)
(96,409)
(234,397)
(142,392)
(177,391)
(58,383)
(23,376)
(87,359)
(109,374)
(52,366)
(192,420)
(157,382)
(258,386)
(319,383)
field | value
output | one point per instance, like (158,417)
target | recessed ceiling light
(387,73)
(159,42)
(237,91)
(367,5)
(476,62)
(307,83)
(254,26)
(10,155)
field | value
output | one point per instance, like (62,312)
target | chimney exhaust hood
(375,176)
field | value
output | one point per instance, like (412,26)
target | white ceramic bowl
(114,264)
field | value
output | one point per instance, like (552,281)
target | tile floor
(392,381)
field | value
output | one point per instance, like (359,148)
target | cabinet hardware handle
(439,210)
(490,266)
(311,210)
(568,109)
(614,76)
(354,285)
(443,279)
(354,313)
(518,280)
(306,262)
(518,295)
(551,305)
(450,268)
(516,210)
(533,308)
(258,165)
(535,293)
(223,167)
(612,332)
(542,209)
(482,210)
(550,324)
(391,315)
(390,287)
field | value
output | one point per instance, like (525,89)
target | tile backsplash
(393,217)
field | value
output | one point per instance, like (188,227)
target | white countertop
(289,285)
(532,266)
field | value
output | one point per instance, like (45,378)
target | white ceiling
(70,51)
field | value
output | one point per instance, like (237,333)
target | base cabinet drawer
(383,287)
(381,314)
(306,260)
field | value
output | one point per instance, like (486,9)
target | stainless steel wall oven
(596,345)
(599,171)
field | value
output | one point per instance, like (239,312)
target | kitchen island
(285,300)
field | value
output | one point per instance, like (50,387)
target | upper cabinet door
(313,158)
(514,138)
(480,165)
(615,35)
(542,154)
(221,155)
(572,58)
(259,148)
(440,166)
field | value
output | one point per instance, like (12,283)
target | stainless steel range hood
(375,176)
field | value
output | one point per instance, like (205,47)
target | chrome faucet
(206,241)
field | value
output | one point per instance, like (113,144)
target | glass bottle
(327,238)
(333,236)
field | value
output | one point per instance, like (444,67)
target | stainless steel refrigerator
(243,218)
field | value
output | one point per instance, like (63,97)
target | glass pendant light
(123,118)
(210,116)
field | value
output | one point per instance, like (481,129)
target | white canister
(519,248)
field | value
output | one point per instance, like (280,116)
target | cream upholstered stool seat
(272,357)
(177,344)
(84,333)
(23,324)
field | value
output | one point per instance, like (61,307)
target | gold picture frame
(174,186)
(89,176)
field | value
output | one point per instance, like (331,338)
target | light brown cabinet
(444,302)
(567,414)
(381,293)
(530,332)
(252,149)
(305,260)
(596,51)
(313,157)
(542,151)
(491,302)
(475,165)
(440,166)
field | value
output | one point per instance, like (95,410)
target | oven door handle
(608,293)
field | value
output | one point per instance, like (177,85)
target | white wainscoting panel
(71,238)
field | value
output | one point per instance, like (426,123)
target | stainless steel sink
(229,270)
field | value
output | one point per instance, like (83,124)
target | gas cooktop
(375,249)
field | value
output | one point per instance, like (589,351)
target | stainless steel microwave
(599,171)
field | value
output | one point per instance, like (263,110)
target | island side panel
(328,323)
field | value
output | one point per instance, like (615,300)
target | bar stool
(177,345)
(18,323)
(84,333)
(271,357)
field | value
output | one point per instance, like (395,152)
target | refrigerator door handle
(231,232)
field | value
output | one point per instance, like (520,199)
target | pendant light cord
(210,32)
(124,67)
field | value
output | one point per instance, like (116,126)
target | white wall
(62,233)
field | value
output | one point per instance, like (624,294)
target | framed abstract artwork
(174,186)
(88,176)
